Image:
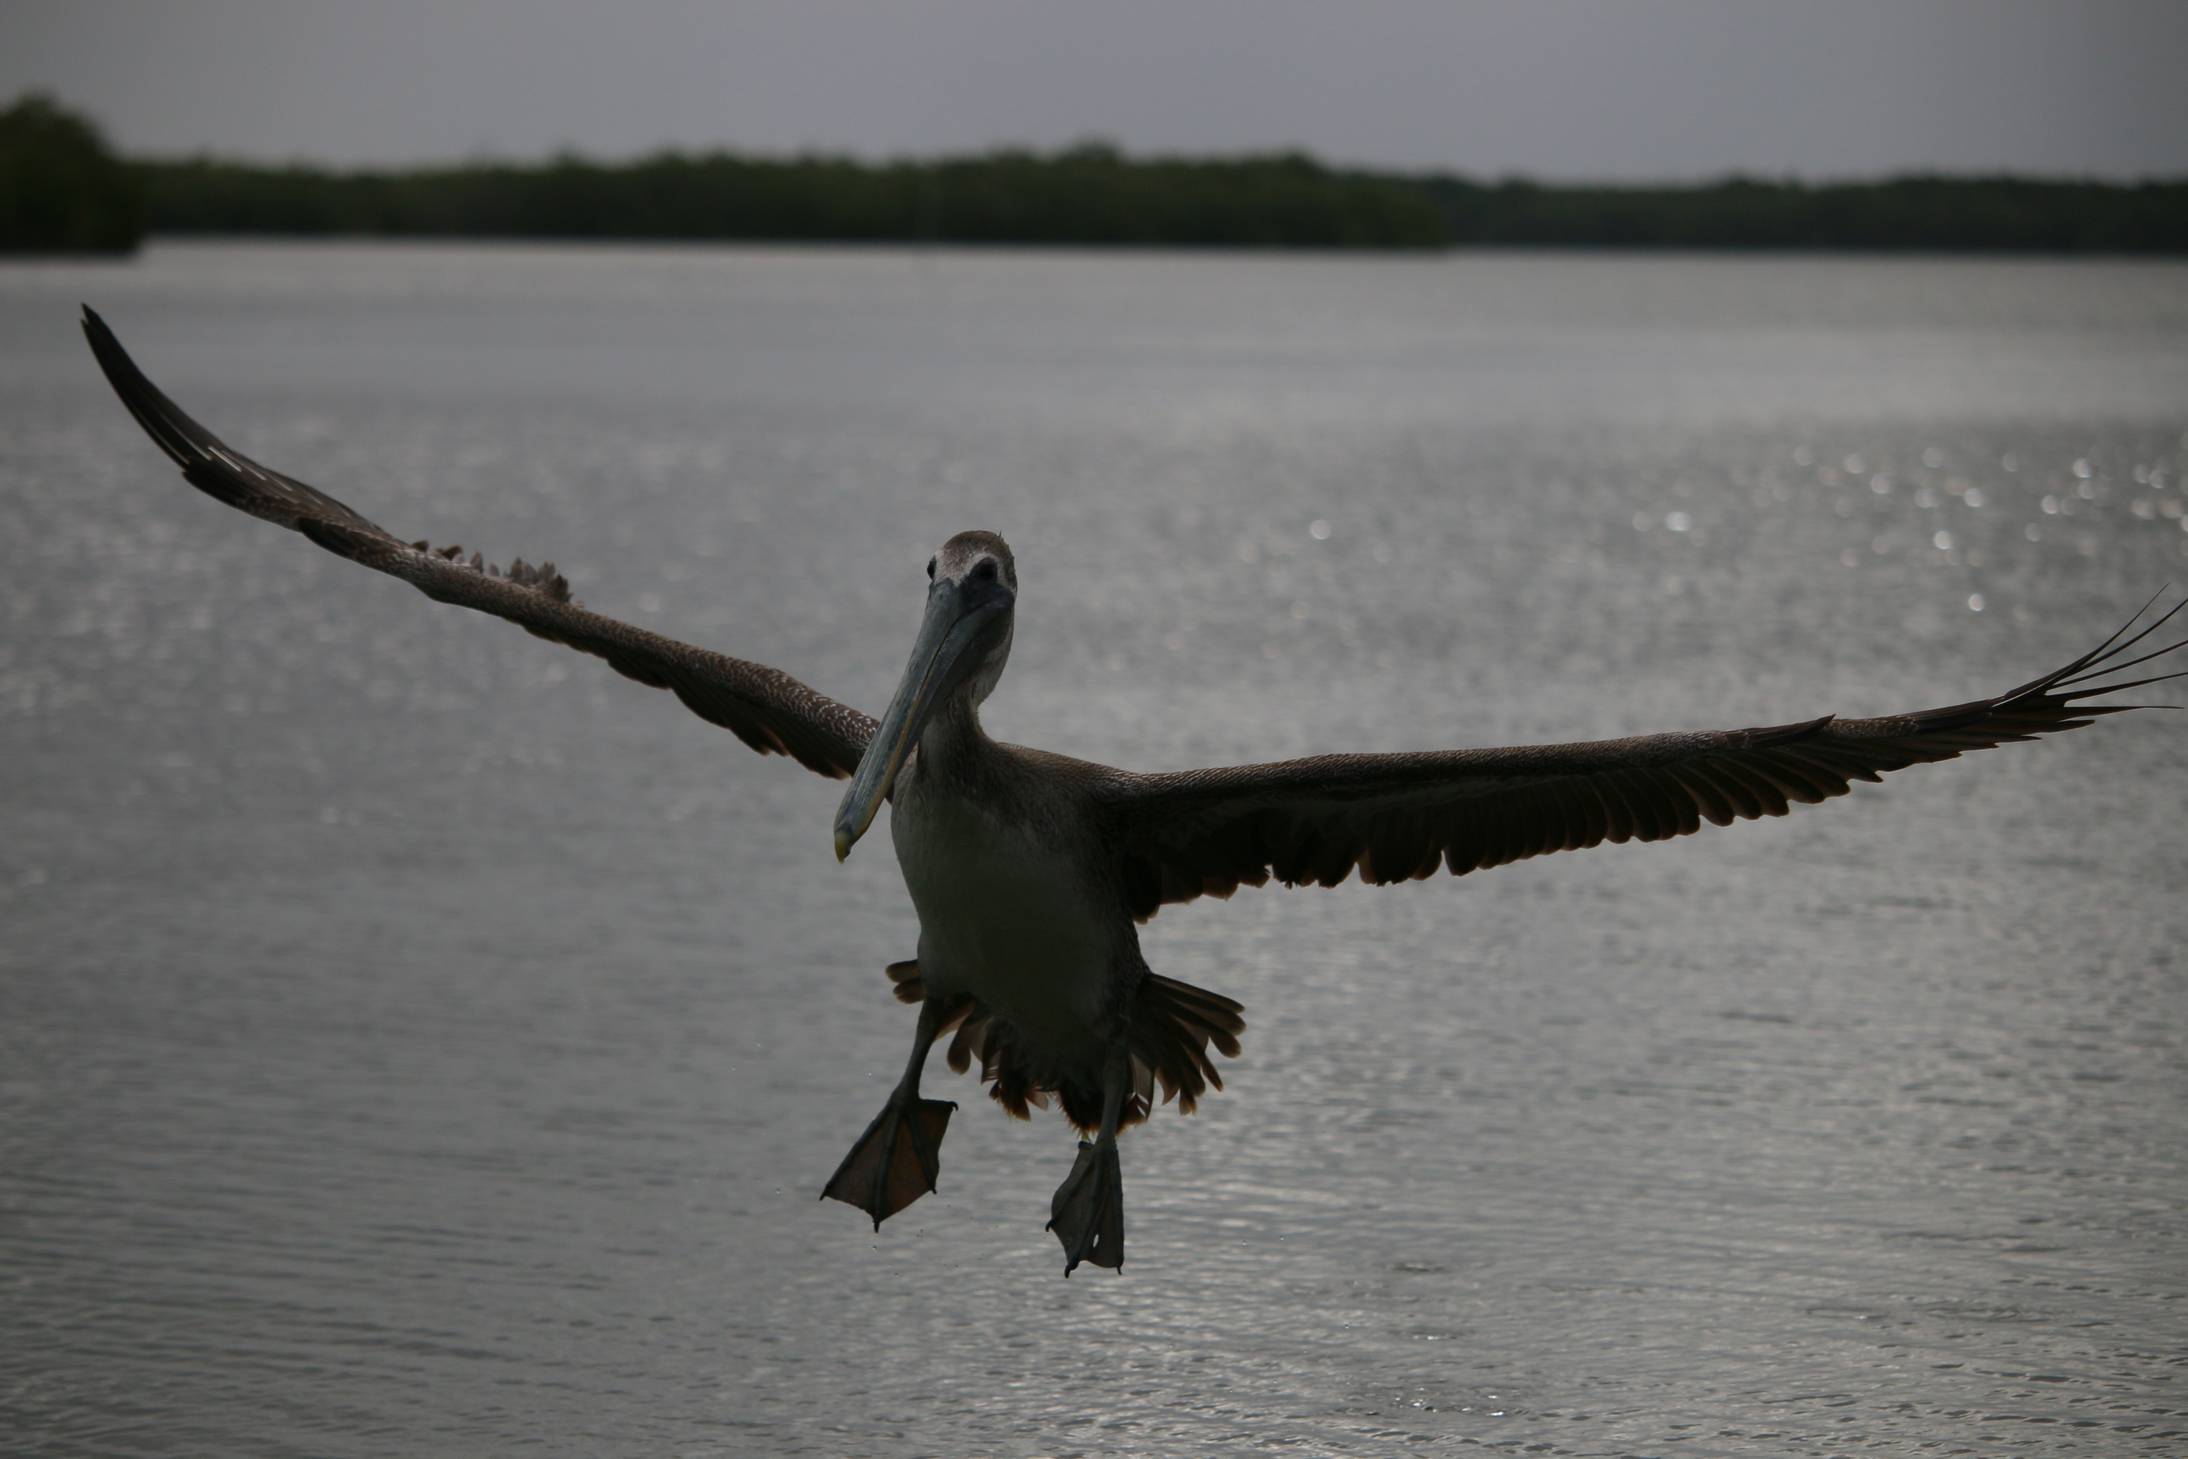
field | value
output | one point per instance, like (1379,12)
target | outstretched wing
(1399,817)
(764,707)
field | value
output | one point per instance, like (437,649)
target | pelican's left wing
(766,708)
(1195,833)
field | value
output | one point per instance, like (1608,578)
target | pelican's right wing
(764,707)
(1194,833)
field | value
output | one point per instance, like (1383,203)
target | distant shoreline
(63,193)
(1094,196)
(914,247)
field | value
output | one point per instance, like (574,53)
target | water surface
(417,1039)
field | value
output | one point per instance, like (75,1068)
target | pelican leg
(1087,1211)
(896,1161)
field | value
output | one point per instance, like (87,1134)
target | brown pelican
(1031,871)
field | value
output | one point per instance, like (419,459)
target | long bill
(939,662)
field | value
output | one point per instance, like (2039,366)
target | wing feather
(1390,818)
(764,707)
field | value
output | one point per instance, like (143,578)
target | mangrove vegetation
(61,190)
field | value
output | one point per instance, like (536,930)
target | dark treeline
(61,191)
(1089,194)
(1094,195)
(1977,214)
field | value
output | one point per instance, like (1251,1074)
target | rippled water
(418,1040)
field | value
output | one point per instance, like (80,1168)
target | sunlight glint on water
(418,1040)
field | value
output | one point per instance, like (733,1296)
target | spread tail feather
(1172,1027)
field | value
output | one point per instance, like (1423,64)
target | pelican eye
(930,569)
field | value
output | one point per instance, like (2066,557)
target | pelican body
(1031,872)
(1027,943)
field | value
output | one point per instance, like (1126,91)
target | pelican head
(963,642)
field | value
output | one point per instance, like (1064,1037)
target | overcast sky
(1562,89)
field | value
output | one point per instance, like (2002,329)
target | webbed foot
(1087,1212)
(896,1161)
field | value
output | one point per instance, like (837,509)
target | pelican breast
(1010,915)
